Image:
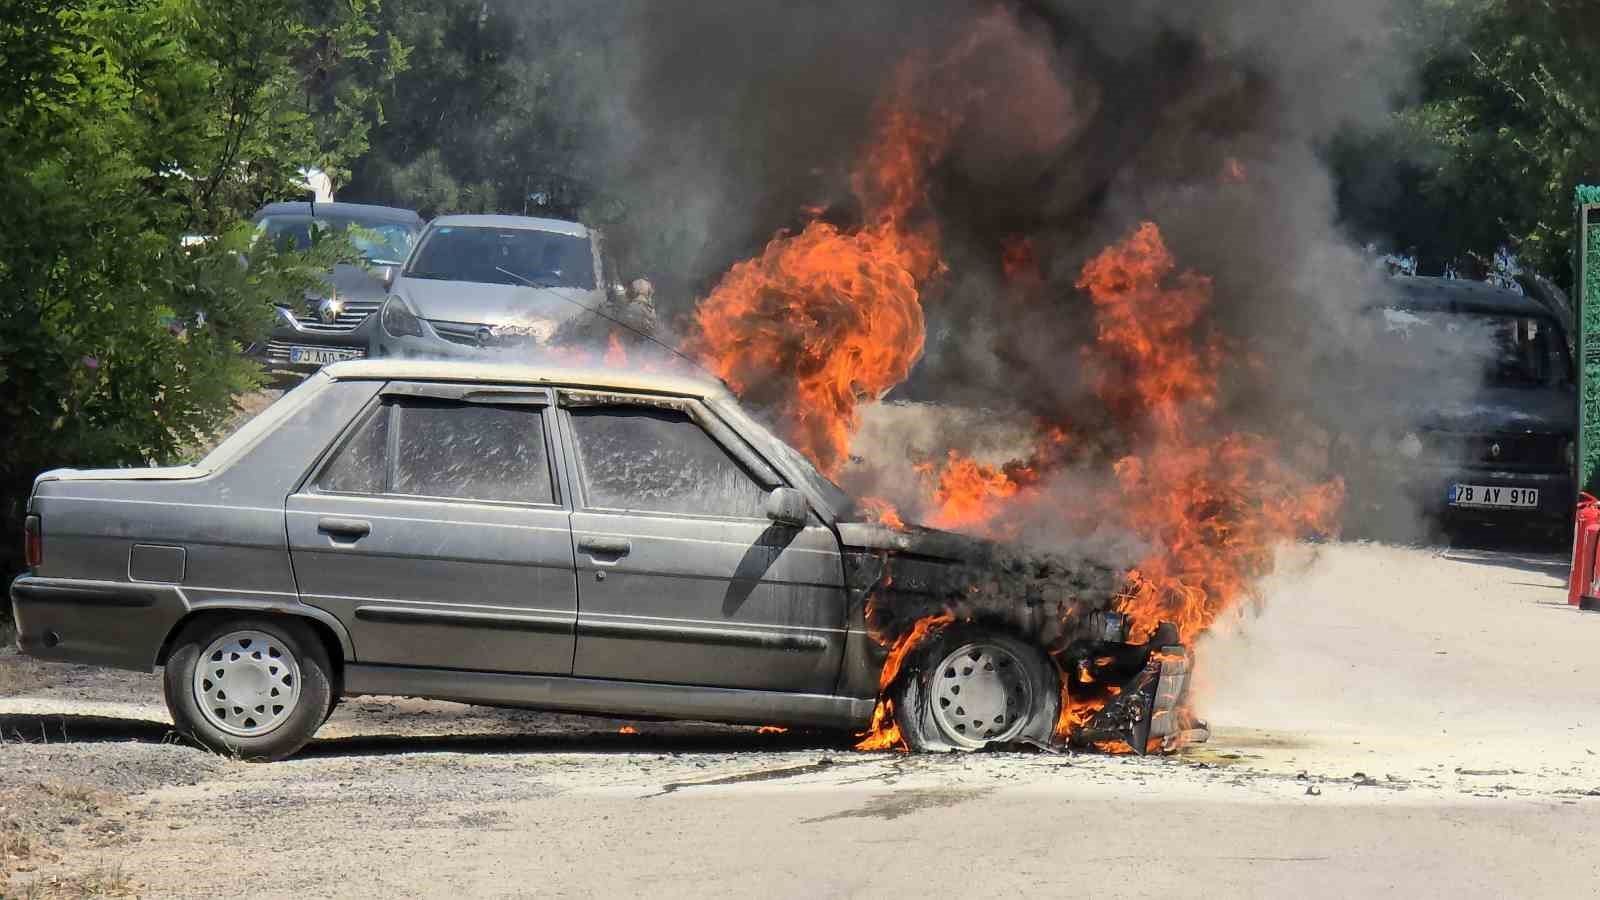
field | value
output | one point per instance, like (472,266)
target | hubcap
(981,693)
(247,683)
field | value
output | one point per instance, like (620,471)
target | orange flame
(884,732)
(627,729)
(771,729)
(1213,504)
(883,512)
(616,354)
(829,316)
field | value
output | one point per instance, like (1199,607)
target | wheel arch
(329,630)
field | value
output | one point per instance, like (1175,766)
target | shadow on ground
(58,729)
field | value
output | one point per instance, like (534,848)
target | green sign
(1586,293)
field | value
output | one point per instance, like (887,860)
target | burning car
(568,539)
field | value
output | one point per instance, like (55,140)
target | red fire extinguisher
(1585,537)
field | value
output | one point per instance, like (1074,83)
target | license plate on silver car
(320,356)
(1482,496)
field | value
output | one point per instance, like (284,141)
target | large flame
(826,317)
(1214,504)
(884,732)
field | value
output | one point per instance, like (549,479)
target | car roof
(558,226)
(363,210)
(1461,295)
(678,383)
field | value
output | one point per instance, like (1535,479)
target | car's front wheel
(968,688)
(251,687)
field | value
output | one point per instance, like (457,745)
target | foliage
(501,99)
(1503,128)
(127,124)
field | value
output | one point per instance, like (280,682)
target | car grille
(471,334)
(278,352)
(1510,451)
(353,314)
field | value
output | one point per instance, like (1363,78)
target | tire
(279,674)
(1017,687)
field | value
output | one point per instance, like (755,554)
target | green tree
(125,125)
(1503,127)
(502,99)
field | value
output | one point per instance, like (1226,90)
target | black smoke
(1076,120)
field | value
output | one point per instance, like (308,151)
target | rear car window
(460,451)
(659,460)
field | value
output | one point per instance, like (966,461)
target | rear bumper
(1426,489)
(101,623)
(1557,494)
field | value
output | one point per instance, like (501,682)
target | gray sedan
(631,545)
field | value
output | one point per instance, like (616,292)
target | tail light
(32,542)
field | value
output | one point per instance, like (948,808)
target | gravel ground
(1389,719)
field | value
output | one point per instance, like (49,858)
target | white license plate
(320,356)
(1493,497)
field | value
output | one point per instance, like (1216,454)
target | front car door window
(659,460)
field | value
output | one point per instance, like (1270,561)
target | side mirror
(386,275)
(787,506)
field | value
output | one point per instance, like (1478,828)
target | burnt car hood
(929,543)
(1532,410)
(496,304)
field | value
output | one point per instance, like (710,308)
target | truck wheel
(251,687)
(968,688)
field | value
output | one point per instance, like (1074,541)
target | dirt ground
(1389,719)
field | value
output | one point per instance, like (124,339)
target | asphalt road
(1388,720)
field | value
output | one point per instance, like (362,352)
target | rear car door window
(471,451)
(659,460)
(359,468)
(446,449)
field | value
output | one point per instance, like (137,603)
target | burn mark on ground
(821,765)
(903,803)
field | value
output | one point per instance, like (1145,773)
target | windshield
(834,496)
(477,253)
(1506,350)
(377,241)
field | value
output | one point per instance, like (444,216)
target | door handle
(599,546)
(349,529)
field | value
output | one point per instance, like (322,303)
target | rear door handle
(349,529)
(599,546)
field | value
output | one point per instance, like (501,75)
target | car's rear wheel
(250,687)
(969,688)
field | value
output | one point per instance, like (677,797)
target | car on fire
(334,323)
(596,541)
(487,286)
(1473,407)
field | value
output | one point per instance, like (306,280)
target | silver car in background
(478,284)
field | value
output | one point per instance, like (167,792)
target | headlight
(398,321)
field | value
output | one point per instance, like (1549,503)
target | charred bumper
(1144,689)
